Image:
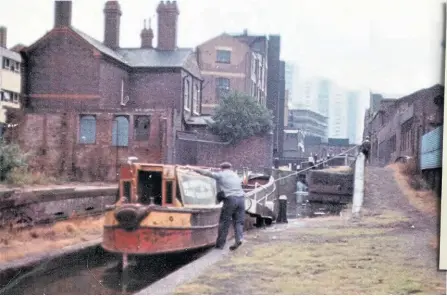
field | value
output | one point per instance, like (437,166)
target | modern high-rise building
(323,96)
(289,76)
(352,98)
(338,113)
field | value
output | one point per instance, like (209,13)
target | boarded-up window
(142,125)
(120,131)
(87,129)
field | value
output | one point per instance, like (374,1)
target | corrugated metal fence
(431,149)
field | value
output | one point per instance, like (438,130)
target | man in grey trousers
(233,203)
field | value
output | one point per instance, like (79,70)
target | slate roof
(143,57)
(150,57)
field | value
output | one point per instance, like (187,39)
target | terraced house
(10,78)
(89,104)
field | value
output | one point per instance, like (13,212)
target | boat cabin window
(169,192)
(149,187)
(197,190)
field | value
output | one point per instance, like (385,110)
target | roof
(199,120)
(7,53)
(100,46)
(143,57)
(150,57)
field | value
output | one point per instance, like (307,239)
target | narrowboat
(165,209)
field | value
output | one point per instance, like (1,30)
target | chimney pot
(62,13)
(3,37)
(112,16)
(147,35)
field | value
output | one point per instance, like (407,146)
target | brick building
(89,104)
(396,126)
(233,63)
(10,77)
(248,64)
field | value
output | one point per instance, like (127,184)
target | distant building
(338,123)
(323,96)
(309,122)
(396,126)
(353,99)
(289,77)
(233,63)
(10,78)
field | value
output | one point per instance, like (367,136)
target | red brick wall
(63,63)
(52,141)
(238,71)
(255,152)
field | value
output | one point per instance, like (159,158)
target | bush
(239,117)
(11,158)
(21,176)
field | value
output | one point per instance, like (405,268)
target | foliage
(21,176)
(11,157)
(239,117)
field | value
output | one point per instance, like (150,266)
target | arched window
(120,131)
(87,129)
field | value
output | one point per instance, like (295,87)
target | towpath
(391,250)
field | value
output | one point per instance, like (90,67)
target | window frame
(147,137)
(186,95)
(117,136)
(81,116)
(219,87)
(221,59)
(196,99)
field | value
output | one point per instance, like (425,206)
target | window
(6,63)
(120,131)
(257,69)
(142,126)
(6,96)
(87,129)
(186,95)
(222,87)
(223,56)
(195,98)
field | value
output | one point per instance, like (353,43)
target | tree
(239,117)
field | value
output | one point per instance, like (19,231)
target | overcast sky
(389,46)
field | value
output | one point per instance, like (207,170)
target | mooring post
(282,215)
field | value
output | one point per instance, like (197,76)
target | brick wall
(238,71)
(252,153)
(397,128)
(52,142)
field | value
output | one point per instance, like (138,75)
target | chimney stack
(146,36)
(3,35)
(62,14)
(112,14)
(167,25)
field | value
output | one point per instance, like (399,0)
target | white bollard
(359,184)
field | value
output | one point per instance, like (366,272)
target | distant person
(311,160)
(233,197)
(365,148)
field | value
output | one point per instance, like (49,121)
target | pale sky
(389,46)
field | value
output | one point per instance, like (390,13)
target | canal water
(96,273)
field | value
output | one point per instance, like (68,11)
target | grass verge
(331,258)
(423,200)
(17,244)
